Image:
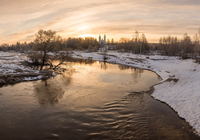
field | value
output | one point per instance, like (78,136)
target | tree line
(138,44)
(185,46)
(62,44)
(168,45)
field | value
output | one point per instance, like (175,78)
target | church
(102,41)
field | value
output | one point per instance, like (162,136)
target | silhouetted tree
(46,41)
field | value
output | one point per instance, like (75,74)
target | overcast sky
(21,19)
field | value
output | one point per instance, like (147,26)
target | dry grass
(175,80)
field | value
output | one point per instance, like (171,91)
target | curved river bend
(89,101)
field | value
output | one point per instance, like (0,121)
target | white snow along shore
(183,96)
(10,63)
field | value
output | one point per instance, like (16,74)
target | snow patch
(32,78)
(10,63)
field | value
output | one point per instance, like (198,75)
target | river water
(89,101)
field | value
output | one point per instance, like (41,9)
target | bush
(90,48)
(35,57)
(197,60)
(80,48)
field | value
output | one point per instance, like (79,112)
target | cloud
(21,19)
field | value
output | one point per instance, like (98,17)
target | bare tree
(136,45)
(108,41)
(46,41)
(186,45)
(112,41)
(197,42)
(144,43)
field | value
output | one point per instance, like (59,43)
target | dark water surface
(89,101)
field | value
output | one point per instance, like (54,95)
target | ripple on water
(89,104)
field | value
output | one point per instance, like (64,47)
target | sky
(21,19)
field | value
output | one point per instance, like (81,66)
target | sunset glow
(86,35)
(20,20)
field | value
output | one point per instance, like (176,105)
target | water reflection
(136,72)
(123,67)
(49,94)
(104,65)
(54,91)
(89,102)
(82,61)
(66,77)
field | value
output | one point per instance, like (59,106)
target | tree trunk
(44,57)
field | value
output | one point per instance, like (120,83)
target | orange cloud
(21,19)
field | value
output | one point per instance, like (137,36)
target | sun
(86,35)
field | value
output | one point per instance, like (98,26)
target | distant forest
(64,45)
(168,45)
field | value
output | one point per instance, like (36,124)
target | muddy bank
(19,75)
(17,78)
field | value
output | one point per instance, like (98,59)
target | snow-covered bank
(183,96)
(12,69)
(10,63)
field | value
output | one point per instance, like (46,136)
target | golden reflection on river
(54,91)
(91,100)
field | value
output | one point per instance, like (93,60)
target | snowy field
(10,63)
(183,96)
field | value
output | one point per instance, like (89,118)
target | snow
(183,96)
(32,78)
(10,63)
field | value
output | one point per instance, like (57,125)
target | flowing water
(89,101)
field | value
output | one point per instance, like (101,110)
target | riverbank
(13,70)
(90,101)
(179,87)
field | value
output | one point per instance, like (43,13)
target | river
(89,101)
